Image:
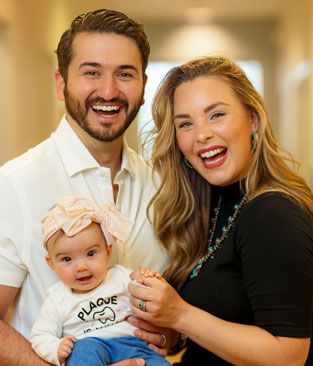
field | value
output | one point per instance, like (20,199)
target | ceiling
(180,10)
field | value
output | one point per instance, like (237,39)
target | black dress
(261,275)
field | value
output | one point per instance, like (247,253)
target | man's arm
(15,350)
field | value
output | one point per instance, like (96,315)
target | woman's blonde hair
(181,205)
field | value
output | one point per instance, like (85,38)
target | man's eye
(92,73)
(125,75)
(66,259)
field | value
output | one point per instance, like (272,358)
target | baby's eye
(91,253)
(66,259)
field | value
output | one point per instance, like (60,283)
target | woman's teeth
(211,153)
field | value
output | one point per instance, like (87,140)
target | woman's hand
(155,301)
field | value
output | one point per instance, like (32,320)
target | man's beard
(79,114)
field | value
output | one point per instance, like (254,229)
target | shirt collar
(77,158)
(128,164)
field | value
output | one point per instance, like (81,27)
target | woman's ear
(49,262)
(254,121)
(60,85)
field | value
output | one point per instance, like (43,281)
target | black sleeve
(275,244)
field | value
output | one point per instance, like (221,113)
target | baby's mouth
(84,279)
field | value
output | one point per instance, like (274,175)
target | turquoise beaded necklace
(212,248)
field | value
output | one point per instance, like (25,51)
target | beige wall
(242,40)
(30,29)
(29,103)
(295,44)
(29,33)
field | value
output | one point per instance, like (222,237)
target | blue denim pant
(95,351)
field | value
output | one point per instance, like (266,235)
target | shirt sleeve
(12,234)
(276,249)
(46,332)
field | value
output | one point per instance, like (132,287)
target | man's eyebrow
(127,67)
(98,65)
(87,63)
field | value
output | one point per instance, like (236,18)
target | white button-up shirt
(30,185)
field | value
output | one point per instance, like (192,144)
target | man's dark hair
(101,21)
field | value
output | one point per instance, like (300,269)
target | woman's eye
(185,124)
(66,259)
(217,115)
(91,253)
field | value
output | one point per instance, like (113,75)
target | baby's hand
(147,272)
(65,348)
(137,278)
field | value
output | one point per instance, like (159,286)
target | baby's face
(80,261)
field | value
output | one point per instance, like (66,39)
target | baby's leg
(131,347)
(90,351)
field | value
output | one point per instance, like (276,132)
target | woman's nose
(203,131)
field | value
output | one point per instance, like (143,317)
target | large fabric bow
(73,214)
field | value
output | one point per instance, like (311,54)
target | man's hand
(154,335)
(133,362)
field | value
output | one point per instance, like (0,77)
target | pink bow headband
(73,214)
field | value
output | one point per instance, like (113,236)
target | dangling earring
(187,163)
(255,139)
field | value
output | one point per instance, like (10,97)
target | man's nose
(108,87)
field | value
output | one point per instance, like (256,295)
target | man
(102,60)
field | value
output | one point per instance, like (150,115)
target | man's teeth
(106,108)
(211,153)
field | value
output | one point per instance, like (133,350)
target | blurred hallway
(277,33)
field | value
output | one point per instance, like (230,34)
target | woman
(236,220)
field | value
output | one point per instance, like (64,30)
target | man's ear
(145,78)
(49,262)
(60,85)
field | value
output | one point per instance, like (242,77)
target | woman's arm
(236,343)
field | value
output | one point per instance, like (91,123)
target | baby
(83,318)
